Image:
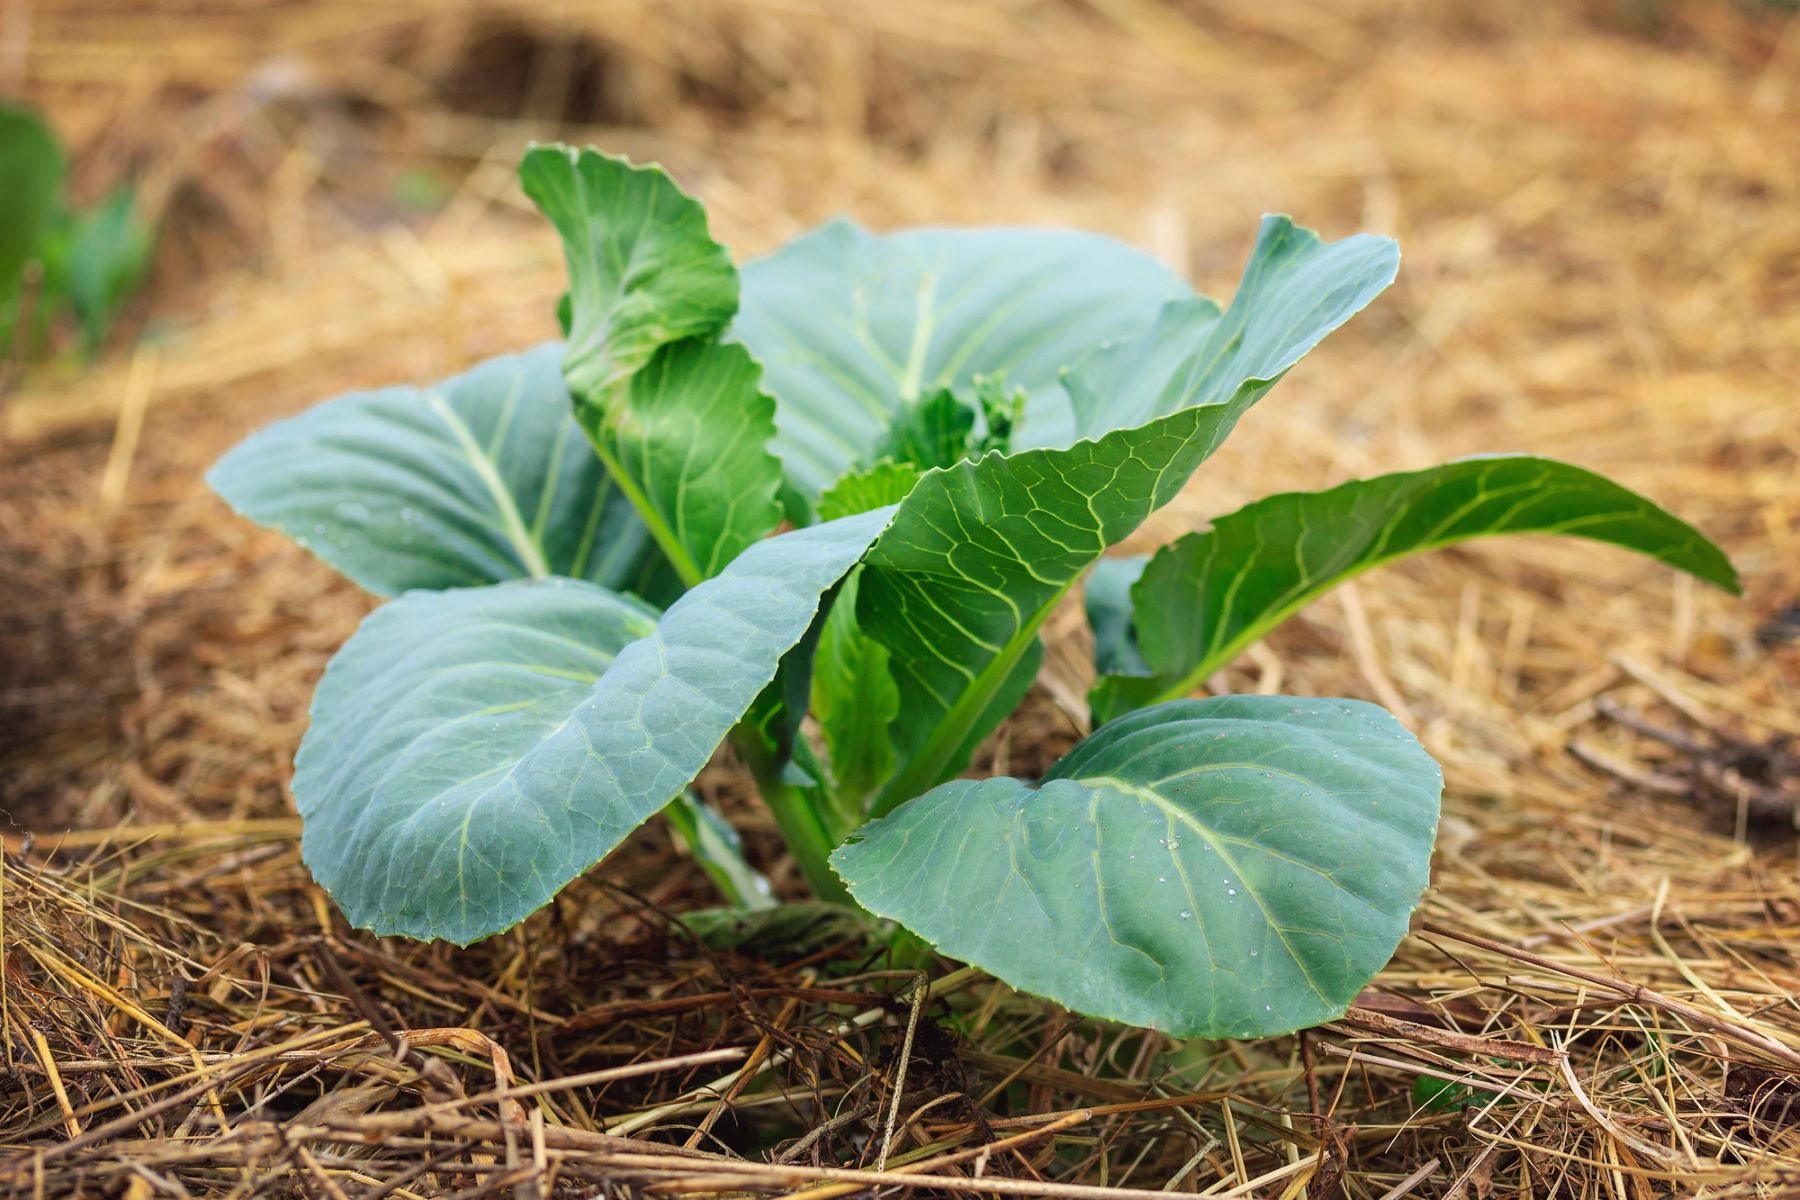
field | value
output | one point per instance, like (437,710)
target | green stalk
(800,817)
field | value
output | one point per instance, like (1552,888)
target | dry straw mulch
(1600,208)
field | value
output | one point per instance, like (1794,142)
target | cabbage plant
(820,507)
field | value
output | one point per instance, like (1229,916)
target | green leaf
(979,554)
(472,751)
(31,180)
(935,432)
(688,440)
(679,418)
(481,478)
(854,699)
(852,327)
(1432,1094)
(716,846)
(1233,867)
(878,486)
(107,259)
(1206,596)
(1107,599)
(643,270)
(1295,290)
(786,932)
(1002,411)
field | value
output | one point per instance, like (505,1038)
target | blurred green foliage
(58,262)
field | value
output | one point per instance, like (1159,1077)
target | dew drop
(1268,1008)
(1185,914)
(1162,879)
(1231,891)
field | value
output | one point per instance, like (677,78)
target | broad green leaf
(643,270)
(878,486)
(716,846)
(108,254)
(679,418)
(1206,596)
(979,554)
(481,478)
(1233,867)
(472,751)
(1106,596)
(851,327)
(31,179)
(854,699)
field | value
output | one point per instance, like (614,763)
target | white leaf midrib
(531,554)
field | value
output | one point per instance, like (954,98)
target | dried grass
(1600,207)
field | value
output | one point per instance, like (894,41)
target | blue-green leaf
(1206,596)
(481,478)
(716,846)
(851,327)
(108,253)
(1107,599)
(979,554)
(679,418)
(472,751)
(1233,867)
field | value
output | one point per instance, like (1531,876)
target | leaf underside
(1206,596)
(481,478)
(1234,867)
(473,751)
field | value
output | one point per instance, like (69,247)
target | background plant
(958,424)
(58,261)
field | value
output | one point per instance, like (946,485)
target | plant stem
(800,817)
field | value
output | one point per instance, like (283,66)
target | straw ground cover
(1601,265)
